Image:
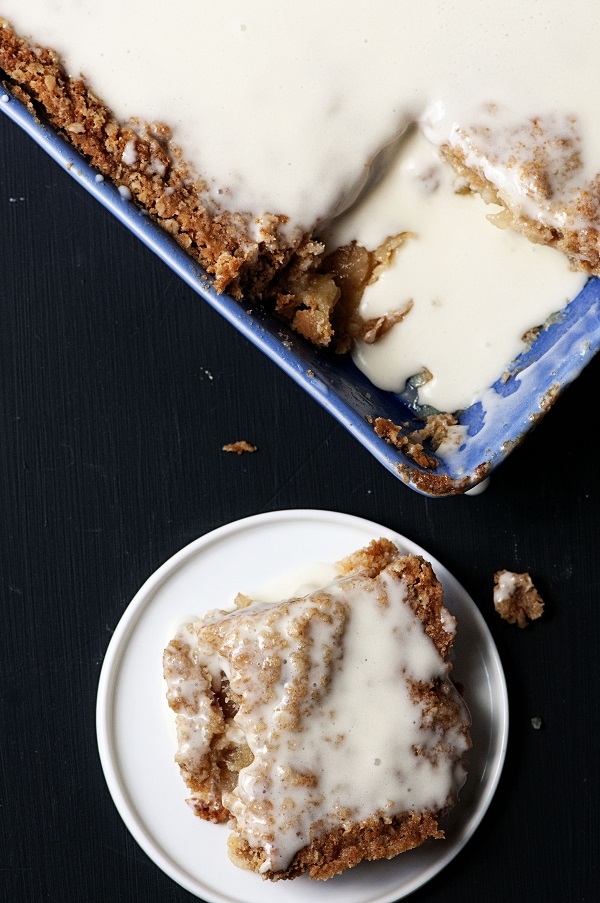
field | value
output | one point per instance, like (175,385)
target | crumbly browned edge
(410,441)
(346,847)
(581,245)
(318,296)
(289,279)
(524,605)
(214,239)
(425,593)
(374,838)
(435,429)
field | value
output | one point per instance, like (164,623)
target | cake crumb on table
(516,599)
(239,447)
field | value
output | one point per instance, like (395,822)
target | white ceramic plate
(136,733)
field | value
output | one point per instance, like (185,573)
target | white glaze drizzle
(328,714)
(294,108)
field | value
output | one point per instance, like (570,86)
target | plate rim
(134,610)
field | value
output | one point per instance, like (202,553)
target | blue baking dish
(492,427)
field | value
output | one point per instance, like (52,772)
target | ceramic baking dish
(492,427)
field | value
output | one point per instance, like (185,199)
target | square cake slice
(325,729)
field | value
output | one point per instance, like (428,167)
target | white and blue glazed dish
(492,427)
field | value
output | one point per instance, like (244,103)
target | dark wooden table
(118,389)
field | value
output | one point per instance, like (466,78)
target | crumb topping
(258,214)
(341,708)
(516,599)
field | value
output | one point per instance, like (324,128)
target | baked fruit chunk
(325,729)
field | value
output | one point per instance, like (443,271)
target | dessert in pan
(393,197)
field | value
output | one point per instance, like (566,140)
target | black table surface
(119,386)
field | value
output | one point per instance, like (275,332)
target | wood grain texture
(118,389)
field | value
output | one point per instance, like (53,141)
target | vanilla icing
(505,586)
(475,289)
(295,109)
(326,708)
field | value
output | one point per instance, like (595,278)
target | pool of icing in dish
(299,108)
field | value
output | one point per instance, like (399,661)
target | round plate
(136,729)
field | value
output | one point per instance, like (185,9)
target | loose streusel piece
(516,599)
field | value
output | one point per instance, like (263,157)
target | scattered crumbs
(14,200)
(516,599)
(207,373)
(240,447)
(125,192)
(409,443)
(536,723)
(310,373)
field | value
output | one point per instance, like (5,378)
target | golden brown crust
(239,447)
(346,847)
(522,603)
(207,777)
(212,778)
(425,597)
(317,296)
(158,180)
(424,591)
(371,560)
(581,245)
(281,275)
(411,441)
